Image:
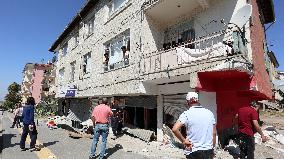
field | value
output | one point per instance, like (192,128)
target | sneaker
(34,149)
(24,149)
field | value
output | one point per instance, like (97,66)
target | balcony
(218,45)
(117,65)
(49,74)
(170,10)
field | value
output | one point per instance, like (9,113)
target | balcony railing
(117,65)
(215,45)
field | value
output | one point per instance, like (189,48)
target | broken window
(87,63)
(72,71)
(64,49)
(117,51)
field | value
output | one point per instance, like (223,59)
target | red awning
(230,80)
(223,80)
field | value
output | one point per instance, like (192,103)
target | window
(115,5)
(90,26)
(118,51)
(76,38)
(87,63)
(64,49)
(72,71)
(61,74)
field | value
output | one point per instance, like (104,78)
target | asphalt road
(54,144)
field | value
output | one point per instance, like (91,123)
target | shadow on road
(47,144)
(6,141)
(112,150)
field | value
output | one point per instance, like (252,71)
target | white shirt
(199,127)
(20,112)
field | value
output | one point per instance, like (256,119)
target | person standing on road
(29,125)
(100,118)
(16,117)
(200,129)
(247,124)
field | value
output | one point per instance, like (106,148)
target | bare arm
(176,131)
(258,129)
(93,120)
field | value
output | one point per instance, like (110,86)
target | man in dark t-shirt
(247,123)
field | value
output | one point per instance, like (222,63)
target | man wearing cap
(247,123)
(200,129)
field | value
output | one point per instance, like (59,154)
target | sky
(29,27)
(27,30)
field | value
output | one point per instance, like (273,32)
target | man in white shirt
(200,129)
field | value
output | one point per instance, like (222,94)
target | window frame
(87,66)
(72,71)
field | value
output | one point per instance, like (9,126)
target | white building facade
(168,45)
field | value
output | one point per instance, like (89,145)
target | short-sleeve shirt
(101,113)
(199,124)
(245,117)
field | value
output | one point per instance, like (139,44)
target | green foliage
(47,107)
(13,96)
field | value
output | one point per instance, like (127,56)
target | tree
(13,96)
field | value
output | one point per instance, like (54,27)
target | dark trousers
(17,121)
(116,125)
(201,154)
(33,136)
(246,146)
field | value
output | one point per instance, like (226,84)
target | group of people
(201,131)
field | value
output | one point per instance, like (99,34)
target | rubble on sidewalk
(142,134)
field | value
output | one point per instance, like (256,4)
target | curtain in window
(115,52)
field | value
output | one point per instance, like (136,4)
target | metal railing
(149,3)
(117,65)
(214,45)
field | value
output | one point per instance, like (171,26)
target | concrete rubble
(170,147)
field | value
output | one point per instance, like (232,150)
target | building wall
(257,39)
(146,36)
(37,85)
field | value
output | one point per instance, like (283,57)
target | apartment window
(90,25)
(87,63)
(76,38)
(115,5)
(64,49)
(72,71)
(61,74)
(117,51)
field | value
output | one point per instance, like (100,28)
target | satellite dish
(241,17)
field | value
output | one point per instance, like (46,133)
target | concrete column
(159,118)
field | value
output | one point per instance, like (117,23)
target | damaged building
(147,55)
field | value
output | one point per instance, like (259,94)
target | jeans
(201,154)
(100,130)
(247,146)
(33,136)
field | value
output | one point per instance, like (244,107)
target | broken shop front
(139,111)
(234,89)
(76,109)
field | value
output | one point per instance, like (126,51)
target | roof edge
(75,20)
